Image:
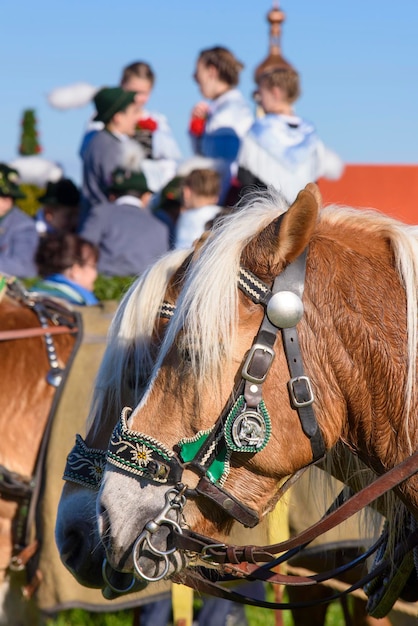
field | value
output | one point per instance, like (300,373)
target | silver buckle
(207,557)
(245,373)
(295,402)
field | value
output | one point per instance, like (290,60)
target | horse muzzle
(152,556)
(76,536)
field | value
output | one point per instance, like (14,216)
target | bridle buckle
(263,366)
(203,556)
(300,391)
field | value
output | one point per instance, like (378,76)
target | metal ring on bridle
(111,585)
(138,568)
(143,542)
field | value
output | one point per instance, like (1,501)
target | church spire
(275,17)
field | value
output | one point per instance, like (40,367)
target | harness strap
(253,287)
(26,333)
(197,580)
(205,546)
(239,511)
(300,392)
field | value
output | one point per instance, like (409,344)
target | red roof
(392,189)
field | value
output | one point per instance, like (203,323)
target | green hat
(125,181)
(172,190)
(63,192)
(9,182)
(111,100)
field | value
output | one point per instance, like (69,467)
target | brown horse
(357,331)
(37,339)
(136,332)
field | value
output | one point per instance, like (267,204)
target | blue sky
(358,62)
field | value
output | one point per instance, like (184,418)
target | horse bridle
(244,424)
(207,453)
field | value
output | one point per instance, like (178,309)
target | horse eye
(186,355)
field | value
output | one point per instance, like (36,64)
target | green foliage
(266,617)
(78,617)
(255,617)
(112,287)
(30,204)
(29,140)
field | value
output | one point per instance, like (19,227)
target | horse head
(195,373)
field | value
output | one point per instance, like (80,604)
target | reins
(251,555)
(197,580)
(241,563)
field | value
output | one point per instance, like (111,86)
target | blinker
(284,309)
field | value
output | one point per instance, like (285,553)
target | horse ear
(299,223)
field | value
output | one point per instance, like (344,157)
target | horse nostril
(75,546)
(71,545)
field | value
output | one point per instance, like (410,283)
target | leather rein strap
(200,581)
(26,333)
(240,562)
(251,555)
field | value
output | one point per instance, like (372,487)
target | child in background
(106,150)
(217,127)
(282,149)
(160,153)
(201,190)
(60,210)
(67,264)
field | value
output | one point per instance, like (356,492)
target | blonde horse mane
(129,340)
(207,306)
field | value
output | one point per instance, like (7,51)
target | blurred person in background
(18,235)
(67,264)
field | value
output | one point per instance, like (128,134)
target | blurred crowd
(139,197)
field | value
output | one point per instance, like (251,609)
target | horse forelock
(207,305)
(130,339)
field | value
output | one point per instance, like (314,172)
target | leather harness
(25,490)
